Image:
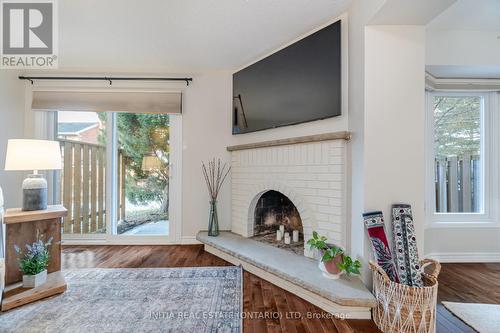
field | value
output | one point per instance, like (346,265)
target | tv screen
(299,83)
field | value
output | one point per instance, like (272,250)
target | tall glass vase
(213,220)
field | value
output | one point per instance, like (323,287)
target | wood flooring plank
(287,325)
(258,307)
(273,325)
(247,305)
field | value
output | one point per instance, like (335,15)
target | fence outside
(83,187)
(457,183)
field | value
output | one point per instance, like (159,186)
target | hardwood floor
(259,296)
(458,282)
(467,283)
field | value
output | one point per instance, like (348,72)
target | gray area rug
(207,299)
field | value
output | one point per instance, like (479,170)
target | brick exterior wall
(311,175)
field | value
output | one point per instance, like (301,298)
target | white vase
(32,281)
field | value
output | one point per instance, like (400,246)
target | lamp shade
(151,163)
(32,155)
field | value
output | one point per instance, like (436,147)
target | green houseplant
(333,261)
(33,263)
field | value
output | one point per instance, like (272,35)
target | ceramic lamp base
(34,193)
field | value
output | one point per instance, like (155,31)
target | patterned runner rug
(206,299)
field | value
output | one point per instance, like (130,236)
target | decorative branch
(215,174)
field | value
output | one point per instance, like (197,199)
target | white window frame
(175,190)
(489,156)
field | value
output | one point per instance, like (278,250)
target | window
(116,177)
(143,171)
(458,153)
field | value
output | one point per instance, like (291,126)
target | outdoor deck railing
(83,187)
(457,183)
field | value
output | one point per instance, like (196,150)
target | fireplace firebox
(272,210)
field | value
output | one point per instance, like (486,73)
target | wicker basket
(404,309)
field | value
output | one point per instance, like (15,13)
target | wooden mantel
(343,135)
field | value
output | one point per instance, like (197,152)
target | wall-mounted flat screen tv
(297,84)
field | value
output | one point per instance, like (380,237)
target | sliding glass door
(116,178)
(143,170)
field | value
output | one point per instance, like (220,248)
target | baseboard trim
(465,257)
(140,240)
(189,240)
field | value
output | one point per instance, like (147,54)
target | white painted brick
(318,184)
(318,169)
(302,176)
(308,191)
(336,160)
(331,210)
(329,177)
(330,193)
(335,202)
(322,217)
(336,185)
(312,175)
(335,168)
(318,200)
(334,151)
(297,168)
(336,218)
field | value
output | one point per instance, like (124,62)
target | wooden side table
(21,229)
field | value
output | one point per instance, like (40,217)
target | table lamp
(151,163)
(33,155)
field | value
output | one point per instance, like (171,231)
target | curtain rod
(105,78)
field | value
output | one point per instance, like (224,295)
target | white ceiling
(182,35)
(464,72)
(467,35)
(409,12)
(469,15)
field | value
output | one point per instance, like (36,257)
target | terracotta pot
(331,266)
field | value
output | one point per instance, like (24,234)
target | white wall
(463,47)
(11,127)
(360,14)
(394,168)
(206,131)
(467,244)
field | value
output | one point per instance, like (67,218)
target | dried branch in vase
(215,174)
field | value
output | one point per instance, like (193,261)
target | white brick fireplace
(310,171)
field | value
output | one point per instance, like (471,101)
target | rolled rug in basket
(405,246)
(374,223)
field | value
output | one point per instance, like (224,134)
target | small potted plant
(33,263)
(333,261)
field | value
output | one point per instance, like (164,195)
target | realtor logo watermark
(29,34)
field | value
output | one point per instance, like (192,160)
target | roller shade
(133,102)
